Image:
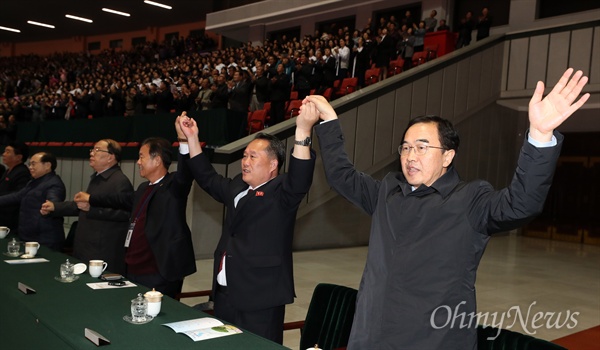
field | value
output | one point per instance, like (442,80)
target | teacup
(31,248)
(154,299)
(96,267)
(4,231)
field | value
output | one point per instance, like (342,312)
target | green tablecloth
(55,317)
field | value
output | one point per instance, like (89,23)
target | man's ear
(448,157)
(273,165)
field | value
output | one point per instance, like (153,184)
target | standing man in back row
(100,232)
(430,228)
(253,273)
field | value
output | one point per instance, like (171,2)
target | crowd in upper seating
(192,74)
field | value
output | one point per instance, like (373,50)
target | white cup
(154,299)
(31,248)
(4,231)
(154,309)
(96,267)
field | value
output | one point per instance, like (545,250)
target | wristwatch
(306,142)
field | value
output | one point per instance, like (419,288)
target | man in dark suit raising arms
(253,274)
(159,242)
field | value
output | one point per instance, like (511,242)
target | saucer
(12,255)
(58,278)
(27,256)
(80,268)
(130,320)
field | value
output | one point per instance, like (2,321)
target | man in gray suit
(100,231)
(430,228)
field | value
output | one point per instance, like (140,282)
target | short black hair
(276,148)
(158,146)
(448,135)
(20,148)
(48,157)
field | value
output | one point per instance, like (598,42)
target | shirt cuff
(538,144)
(326,121)
(184,148)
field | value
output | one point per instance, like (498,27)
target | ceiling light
(157,4)
(41,24)
(10,29)
(79,18)
(116,12)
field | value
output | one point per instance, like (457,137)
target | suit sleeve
(13,198)
(523,199)
(207,178)
(112,214)
(121,200)
(357,187)
(299,178)
(56,191)
(65,209)
(183,177)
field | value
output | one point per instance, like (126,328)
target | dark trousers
(156,281)
(267,323)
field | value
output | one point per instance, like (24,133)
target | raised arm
(359,188)
(187,128)
(547,114)
(308,116)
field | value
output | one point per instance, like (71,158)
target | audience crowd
(191,74)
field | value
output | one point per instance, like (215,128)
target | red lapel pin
(259,194)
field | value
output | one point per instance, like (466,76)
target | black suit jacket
(101,231)
(10,182)
(166,228)
(257,234)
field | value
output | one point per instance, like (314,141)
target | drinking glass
(13,247)
(139,309)
(67,272)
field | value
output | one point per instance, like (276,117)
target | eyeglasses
(96,150)
(420,149)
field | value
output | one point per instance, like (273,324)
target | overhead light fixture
(116,12)
(41,24)
(79,18)
(157,4)
(10,29)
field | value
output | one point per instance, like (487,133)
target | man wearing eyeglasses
(159,242)
(430,229)
(45,185)
(101,231)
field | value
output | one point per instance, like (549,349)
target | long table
(57,314)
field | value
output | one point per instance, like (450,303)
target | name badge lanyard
(137,215)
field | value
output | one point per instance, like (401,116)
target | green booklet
(203,328)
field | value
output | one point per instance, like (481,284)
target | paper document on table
(105,285)
(203,328)
(26,261)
